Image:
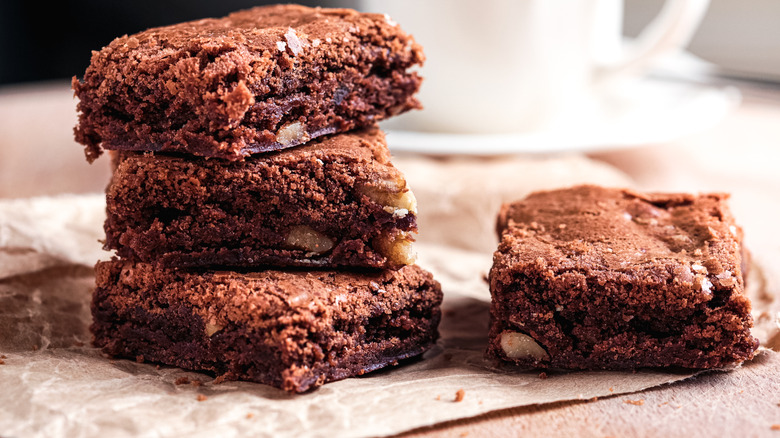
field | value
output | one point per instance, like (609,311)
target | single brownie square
(595,278)
(294,330)
(257,80)
(336,201)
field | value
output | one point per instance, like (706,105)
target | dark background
(54,40)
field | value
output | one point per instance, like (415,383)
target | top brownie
(257,80)
(611,278)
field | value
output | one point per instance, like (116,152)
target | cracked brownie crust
(257,80)
(294,330)
(594,278)
(337,201)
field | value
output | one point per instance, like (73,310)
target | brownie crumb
(639,402)
(202,397)
(182,381)
(220,379)
(543,375)
(196,383)
(460,395)
(139,358)
(775,427)
(594,399)
(462,434)
(2,356)
(438,397)
(2,362)
(611,389)
(250,415)
(35,347)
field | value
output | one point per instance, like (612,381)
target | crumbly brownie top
(594,228)
(209,75)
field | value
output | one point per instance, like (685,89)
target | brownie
(294,330)
(257,80)
(336,201)
(597,278)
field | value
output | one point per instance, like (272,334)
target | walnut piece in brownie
(336,201)
(294,330)
(257,80)
(596,278)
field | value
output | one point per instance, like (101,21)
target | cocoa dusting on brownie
(337,201)
(257,80)
(291,329)
(595,278)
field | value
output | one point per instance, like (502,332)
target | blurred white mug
(506,66)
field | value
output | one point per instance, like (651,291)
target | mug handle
(672,29)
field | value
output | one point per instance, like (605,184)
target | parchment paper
(54,384)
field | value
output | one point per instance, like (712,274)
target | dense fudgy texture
(257,80)
(294,330)
(595,278)
(336,201)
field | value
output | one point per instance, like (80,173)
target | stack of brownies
(261,231)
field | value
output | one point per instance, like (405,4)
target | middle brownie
(337,201)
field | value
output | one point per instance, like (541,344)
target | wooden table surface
(741,155)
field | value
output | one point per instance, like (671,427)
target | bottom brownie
(294,330)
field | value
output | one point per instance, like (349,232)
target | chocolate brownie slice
(292,330)
(336,201)
(257,80)
(595,278)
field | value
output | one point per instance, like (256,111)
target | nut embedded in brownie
(595,278)
(257,80)
(336,201)
(294,330)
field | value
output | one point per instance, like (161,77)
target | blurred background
(53,40)
(723,89)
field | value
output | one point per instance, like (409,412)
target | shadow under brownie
(595,278)
(294,330)
(257,80)
(336,201)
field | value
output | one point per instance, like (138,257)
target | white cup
(509,66)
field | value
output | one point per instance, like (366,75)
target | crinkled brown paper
(54,384)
